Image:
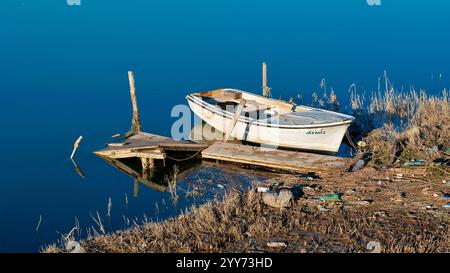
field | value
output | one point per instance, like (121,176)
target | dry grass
(425,131)
(243,223)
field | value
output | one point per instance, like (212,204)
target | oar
(239,109)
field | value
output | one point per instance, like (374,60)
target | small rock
(276,244)
(280,199)
(399,175)
(374,247)
(358,165)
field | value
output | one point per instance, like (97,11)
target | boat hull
(315,138)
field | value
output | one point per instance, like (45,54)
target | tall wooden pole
(264,80)
(135,123)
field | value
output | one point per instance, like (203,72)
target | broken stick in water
(75,146)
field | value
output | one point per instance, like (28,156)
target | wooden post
(264,80)
(135,123)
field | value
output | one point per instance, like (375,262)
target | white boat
(258,119)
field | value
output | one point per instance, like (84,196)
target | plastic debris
(308,176)
(220,186)
(441,162)
(414,163)
(276,244)
(399,175)
(330,197)
(262,189)
(446,205)
(276,185)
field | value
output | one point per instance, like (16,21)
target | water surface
(64,70)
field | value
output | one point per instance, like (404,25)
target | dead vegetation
(395,217)
(425,133)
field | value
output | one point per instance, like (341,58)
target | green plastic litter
(414,163)
(330,197)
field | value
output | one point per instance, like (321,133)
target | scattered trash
(262,189)
(444,182)
(445,195)
(414,163)
(75,146)
(358,165)
(361,144)
(276,244)
(427,207)
(446,150)
(276,185)
(436,195)
(446,205)
(435,149)
(220,186)
(441,162)
(308,176)
(280,199)
(380,183)
(399,175)
(116,136)
(330,197)
(374,247)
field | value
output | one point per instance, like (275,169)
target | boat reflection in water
(195,179)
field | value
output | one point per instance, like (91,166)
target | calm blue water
(63,73)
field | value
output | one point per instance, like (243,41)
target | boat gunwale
(226,114)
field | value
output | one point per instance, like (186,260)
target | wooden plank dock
(273,158)
(149,147)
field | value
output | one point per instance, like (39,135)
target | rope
(351,141)
(183,159)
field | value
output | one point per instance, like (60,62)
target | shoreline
(401,214)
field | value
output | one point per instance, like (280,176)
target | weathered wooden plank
(273,158)
(149,145)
